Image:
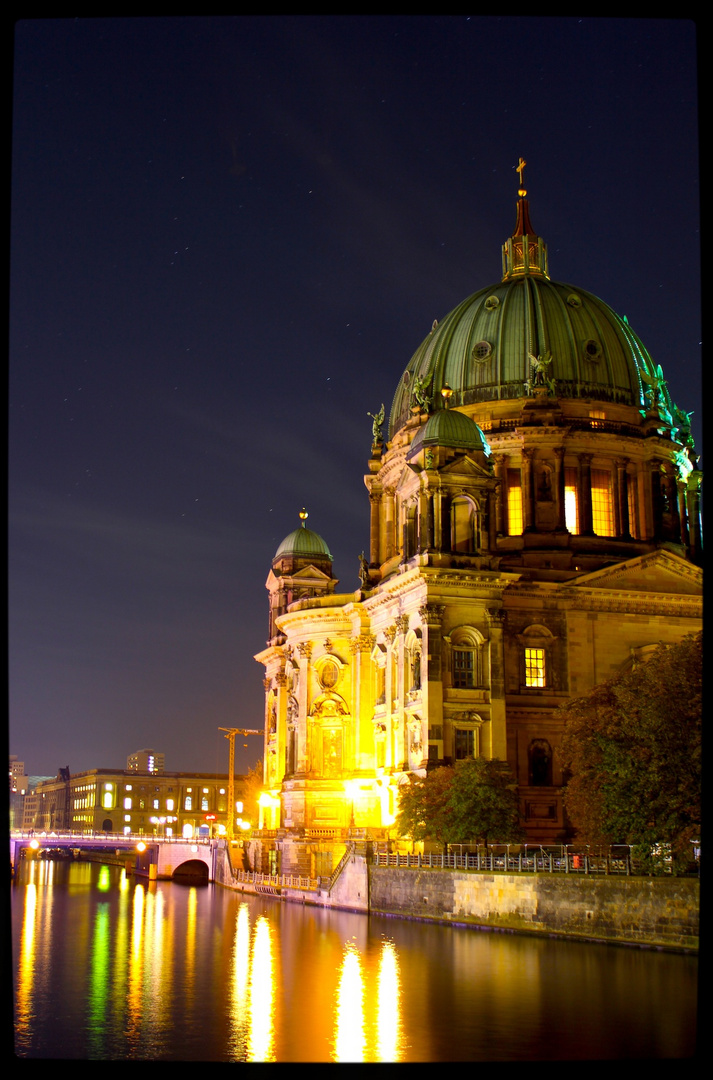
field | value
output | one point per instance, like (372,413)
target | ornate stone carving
(305,649)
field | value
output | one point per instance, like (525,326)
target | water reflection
(110,967)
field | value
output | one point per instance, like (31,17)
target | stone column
(500,462)
(559,489)
(528,493)
(389,526)
(622,489)
(585,495)
(375,496)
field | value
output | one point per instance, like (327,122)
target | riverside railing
(274,882)
(559,860)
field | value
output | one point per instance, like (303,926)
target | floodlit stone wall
(646,911)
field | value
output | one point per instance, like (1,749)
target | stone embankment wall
(661,912)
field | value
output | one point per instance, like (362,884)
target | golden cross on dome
(520,168)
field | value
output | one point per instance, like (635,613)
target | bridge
(157,858)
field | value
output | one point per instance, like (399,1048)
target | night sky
(229,236)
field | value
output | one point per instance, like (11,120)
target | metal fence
(540,860)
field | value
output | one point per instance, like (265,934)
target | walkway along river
(586,899)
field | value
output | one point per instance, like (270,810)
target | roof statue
(420,393)
(378,419)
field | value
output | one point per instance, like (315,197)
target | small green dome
(303,543)
(451,428)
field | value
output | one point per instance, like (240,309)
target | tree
(423,806)
(475,801)
(632,747)
(252,787)
(483,804)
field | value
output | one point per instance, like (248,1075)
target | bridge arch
(194,870)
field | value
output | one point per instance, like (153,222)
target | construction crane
(230,736)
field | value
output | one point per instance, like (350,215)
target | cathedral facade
(534,530)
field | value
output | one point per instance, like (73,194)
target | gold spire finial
(303,516)
(520,168)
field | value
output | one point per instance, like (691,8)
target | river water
(111,967)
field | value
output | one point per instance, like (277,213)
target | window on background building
(534,667)
(127,804)
(204,802)
(463,668)
(596,416)
(107,797)
(463,743)
(169,804)
(602,515)
(571,519)
(188,803)
(155,804)
(514,503)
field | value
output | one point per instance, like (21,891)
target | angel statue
(538,369)
(538,373)
(378,419)
(420,392)
(683,420)
(363,570)
(655,384)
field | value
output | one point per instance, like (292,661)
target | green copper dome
(452,429)
(486,348)
(303,543)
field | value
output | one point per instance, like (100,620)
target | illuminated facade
(535,525)
(123,801)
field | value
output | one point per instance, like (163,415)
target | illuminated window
(127,817)
(534,667)
(204,802)
(128,787)
(464,669)
(188,804)
(127,804)
(169,804)
(155,804)
(570,501)
(514,503)
(602,503)
(596,418)
(107,797)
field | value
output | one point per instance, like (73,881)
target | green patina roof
(482,349)
(303,542)
(450,428)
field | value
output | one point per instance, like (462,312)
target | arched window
(464,525)
(467,665)
(540,763)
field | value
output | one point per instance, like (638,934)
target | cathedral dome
(486,348)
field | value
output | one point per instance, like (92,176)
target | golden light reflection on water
(261,1036)
(350,1039)
(239,988)
(371,1032)
(388,1020)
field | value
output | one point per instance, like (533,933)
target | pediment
(657,572)
(465,464)
(306,573)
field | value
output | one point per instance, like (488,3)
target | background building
(148,761)
(535,524)
(122,801)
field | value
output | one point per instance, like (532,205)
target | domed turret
(301,567)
